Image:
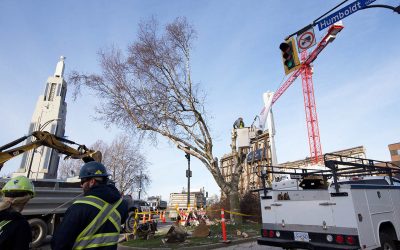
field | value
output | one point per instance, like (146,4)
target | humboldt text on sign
(343,12)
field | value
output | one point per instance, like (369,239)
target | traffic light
(289,55)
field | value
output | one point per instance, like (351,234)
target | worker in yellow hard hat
(15,232)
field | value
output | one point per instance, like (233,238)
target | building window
(395,152)
(52,92)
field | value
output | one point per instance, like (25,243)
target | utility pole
(140,183)
(188,175)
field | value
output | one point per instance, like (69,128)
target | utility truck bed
(352,203)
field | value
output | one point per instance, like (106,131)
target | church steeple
(49,115)
(60,67)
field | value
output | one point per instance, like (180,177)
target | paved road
(249,245)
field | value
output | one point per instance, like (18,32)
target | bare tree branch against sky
(235,59)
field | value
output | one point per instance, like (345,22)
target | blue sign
(257,155)
(343,12)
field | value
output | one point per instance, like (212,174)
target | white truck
(352,203)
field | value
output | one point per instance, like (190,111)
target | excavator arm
(44,138)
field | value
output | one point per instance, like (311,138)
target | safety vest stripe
(94,223)
(92,200)
(109,215)
(97,199)
(97,222)
(88,239)
(97,240)
(117,213)
(3,223)
(89,203)
(100,235)
(116,223)
(101,202)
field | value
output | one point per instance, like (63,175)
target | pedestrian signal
(289,55)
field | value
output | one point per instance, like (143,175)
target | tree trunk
(235,205)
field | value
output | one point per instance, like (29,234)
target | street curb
(208,246)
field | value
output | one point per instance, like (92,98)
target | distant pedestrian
(95,220)
(238,123)
(15,232)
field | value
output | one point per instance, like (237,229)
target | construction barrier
(136,222)
(144,218)
(223,225)
(237,213)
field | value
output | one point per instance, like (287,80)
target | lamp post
(41,127)
(188,175)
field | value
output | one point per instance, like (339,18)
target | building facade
(394,150)
(259,155)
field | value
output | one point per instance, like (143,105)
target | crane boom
(308,91)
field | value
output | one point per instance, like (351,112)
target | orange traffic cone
(163,217)
(144,217)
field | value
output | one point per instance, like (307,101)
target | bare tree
(150,92)
(125,163)
(69,168)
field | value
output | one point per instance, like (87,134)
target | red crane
(308,91)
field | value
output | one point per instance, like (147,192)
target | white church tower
(49,115)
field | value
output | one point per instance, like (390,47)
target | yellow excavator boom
(44,138)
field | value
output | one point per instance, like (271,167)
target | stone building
(259,154)
(395,153)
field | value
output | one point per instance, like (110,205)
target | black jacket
(79,215)
(16,235)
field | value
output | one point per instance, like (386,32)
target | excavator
(44,138)
(53,197)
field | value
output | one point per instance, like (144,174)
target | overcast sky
(236,58)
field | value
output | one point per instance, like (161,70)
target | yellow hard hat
(17,186)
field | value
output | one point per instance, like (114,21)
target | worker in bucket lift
(238,123)
(15,232)
(95,220)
